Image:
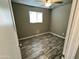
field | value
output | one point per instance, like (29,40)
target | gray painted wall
(59,19)
(55,20)
(77,54)
(23,25)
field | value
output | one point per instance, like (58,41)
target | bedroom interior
(43,38)
(39,29)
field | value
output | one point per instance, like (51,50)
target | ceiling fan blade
(59,2)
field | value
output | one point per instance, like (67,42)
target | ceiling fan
(48,3)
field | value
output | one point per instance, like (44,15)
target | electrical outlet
(62,33)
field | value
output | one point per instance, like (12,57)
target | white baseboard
(42,34)
(57,35)
(33,36)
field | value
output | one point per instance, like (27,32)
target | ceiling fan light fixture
(48,4)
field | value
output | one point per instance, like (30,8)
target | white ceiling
(37,3)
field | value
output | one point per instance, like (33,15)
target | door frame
(9,48)
(14,26)
(71,45)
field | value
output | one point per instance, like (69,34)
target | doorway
(36,34)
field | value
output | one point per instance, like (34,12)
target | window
(36,17)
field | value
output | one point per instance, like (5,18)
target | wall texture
(59,19)
(23,25)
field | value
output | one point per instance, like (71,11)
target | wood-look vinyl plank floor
(45,46)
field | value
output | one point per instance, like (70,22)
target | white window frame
(35,17)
